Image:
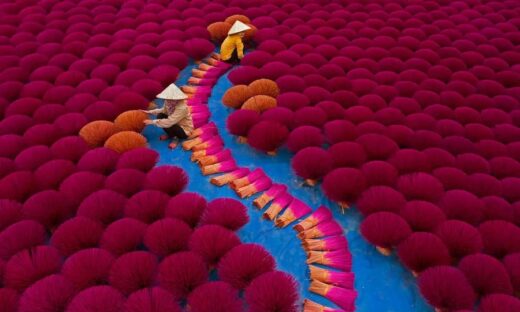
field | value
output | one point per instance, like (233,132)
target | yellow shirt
(231,43)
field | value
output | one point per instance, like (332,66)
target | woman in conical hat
(174,117)
(232,49)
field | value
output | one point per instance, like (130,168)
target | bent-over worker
(232,49)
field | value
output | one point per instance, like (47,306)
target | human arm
(180,113)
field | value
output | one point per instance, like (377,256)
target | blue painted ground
(383,285)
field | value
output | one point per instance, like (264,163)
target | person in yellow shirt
(232,49)
(174,117)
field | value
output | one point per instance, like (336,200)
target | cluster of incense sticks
(329,260)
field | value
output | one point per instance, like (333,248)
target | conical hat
(172,92)
(238,27)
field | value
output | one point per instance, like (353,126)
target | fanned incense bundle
(320,215)
(225,166)
(278,204)
(311,306)
(207,128)
(340,279)
(189,144)
(228,177)
(215,141)
(257,186)
(216,158)
(344,298)
(327,228)
(269,195)
(296,210)
(205,152)
(250,178)
(327,244)
(339,259)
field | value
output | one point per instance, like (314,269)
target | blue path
(383,285)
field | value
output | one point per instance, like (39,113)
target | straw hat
(172,92)
(238,27)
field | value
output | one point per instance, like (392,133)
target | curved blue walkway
(383,285)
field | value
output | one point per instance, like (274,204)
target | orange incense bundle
(311,306)
(327,243)
(327,228)
(189,144)
(320,215)
(225,166)
(269,195)
(207,128)
(344,298)
(215,158)
(228,177)
(205,152)
(214,141)
(189,89)
(295,210)
(278,204)
(250,178)
(336,278)
(338,259)
(257,186)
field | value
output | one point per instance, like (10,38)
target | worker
(232,49)
(174,117)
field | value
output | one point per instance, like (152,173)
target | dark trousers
(174,131)
(234,58)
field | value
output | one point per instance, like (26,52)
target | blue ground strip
(383,285)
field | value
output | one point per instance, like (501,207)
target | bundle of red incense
(224,154)
(336,278)
(269,195)
(320,215)
(228,177)
(225,166)
(326,244)
(338,259)
(250,178)
(344,298)
(278,204)
(311,306)
(295,210)
(207,128)
(257,186)
(327,228)
(196,109)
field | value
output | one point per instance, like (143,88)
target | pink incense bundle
(257,186)
(195,109)
(201,81)
(278,204)
(205,152)
(204,73)
(206,67)
(225,166)
(199,120)
(269,195)
(295,210)
(228,177)
(320,215)
(203,90)
(311,306)
(342,297)
(207,128)
(189,144)
(340,279)
(189,89)
(250,178)
(326,244)
(338,259)
(214,141)
(327,228)
(215,158)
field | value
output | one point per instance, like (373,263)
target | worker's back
(229,45)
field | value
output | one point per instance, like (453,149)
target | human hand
(148,122)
